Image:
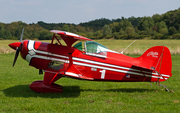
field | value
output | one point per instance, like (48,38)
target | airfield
(89,96)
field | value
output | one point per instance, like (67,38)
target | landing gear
(39,87)
(47,85)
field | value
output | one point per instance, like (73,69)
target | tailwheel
(168,90)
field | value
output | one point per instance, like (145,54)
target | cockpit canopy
(93,48)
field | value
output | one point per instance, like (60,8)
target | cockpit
(93,48)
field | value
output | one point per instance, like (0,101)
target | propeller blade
(18,49)
(21,35)
(16,56)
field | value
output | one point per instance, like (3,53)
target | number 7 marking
(102,73)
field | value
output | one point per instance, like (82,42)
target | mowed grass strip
(138,47)
(84,96)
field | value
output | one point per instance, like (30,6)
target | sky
(77,11)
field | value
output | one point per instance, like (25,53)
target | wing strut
(127,47)
(54,36)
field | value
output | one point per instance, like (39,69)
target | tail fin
(158,58)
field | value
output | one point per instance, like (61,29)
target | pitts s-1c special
(89,60)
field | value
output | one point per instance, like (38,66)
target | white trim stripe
(31,44)
(93,64)
(72,74)
(100,63)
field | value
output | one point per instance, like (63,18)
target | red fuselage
(90,61)
(113,67)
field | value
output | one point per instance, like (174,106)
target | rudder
(158,58)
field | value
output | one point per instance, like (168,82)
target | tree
(80,29)
(172,18)
(129,30)
(98,34)
(122,32)
(114,26)
(96,24)
(7,34)
(65,27)
(90,35)
(163,31)
(134,21)
(2,30)
(179,30)
(45,35)
(161,25)
(157,18)
(124,24)
(146,24)
(71,28)
(107,31)
(172,30)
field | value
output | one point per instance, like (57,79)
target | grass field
(88,96)
(138,47)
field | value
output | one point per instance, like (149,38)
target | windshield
(79,46)
(93,48)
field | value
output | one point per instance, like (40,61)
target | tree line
(165,26)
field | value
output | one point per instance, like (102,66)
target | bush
(141,36)
(176,36)
(166,37)
(119,37)
(158,36)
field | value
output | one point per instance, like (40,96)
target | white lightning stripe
(47,53)
(106,68)
(31,47)
(116,70)
(115,66)
(31,44)
(161,74)
(104,64)
(88,61)
(165,75)
(49,58)
(68,73)
(72,74)
(110,65)
(147,72)
(95,66)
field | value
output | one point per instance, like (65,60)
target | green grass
(84,96)
(88,96)
(140,46)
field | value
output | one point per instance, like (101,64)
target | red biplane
(89,60)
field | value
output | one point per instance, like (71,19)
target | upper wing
(70,35)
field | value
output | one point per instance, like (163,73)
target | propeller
(18,49)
